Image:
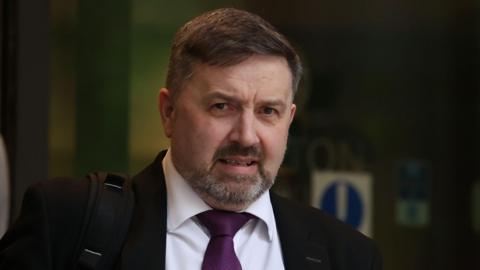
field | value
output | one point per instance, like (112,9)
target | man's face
(229,127)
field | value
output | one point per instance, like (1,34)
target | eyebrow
(220,95)
(274,103)
(233,99)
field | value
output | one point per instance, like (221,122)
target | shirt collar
(183,203)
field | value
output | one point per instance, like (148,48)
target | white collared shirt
(256,244)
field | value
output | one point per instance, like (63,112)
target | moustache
(235,149)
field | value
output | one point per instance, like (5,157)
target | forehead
(257,76)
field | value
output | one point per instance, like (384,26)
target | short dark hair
(225,37)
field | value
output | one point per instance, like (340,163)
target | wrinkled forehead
(266,76)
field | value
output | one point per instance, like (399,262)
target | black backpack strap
(107,219)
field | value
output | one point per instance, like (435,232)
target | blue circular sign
(343,200)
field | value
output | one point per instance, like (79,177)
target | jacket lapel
(145,246)
(300,250)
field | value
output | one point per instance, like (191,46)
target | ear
(293,109)
(165,106)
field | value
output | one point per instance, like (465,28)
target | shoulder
(345,245)
(60,200)
(47,226)
(60,190)
(313,218)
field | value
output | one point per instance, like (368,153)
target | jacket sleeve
(26,245)
(45,235)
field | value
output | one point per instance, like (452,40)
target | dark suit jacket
(44,235)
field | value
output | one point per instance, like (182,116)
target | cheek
(275,143)
(202,133)
(186,135)
(214,137)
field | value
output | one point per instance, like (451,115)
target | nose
(244,130)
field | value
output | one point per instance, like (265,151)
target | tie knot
(223,223)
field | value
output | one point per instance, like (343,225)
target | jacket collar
(145,244)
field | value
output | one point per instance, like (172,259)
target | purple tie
(223,226)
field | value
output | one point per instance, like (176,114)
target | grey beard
(248,188)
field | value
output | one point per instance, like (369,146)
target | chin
(233,195)
(229,191)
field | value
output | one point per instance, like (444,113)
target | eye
(220,106)
(268,111)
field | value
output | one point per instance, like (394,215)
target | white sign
(346,195)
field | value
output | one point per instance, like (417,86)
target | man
(227,108)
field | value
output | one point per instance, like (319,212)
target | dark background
(391,80)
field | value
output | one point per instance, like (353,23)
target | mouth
(240,162)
